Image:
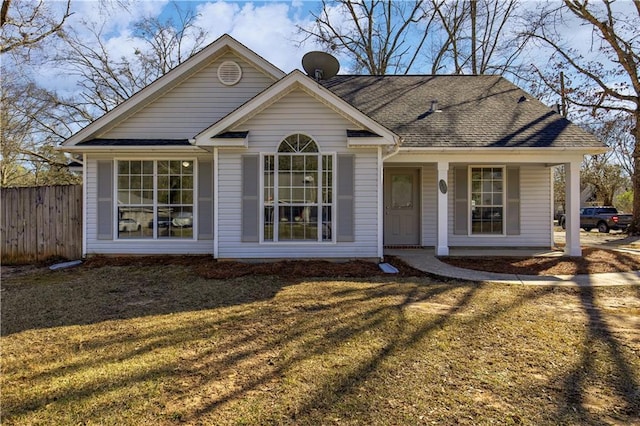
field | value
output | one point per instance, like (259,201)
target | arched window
(298,192)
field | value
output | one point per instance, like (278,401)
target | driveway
(612,240)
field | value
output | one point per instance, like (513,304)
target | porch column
(442,247)
(572,209)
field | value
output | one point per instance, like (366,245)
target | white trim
(228,142)
(572,210)
(469,200)
(84,205)
(216,204)
(552,209)
(294,80)
(177,149)
(366,142)
(194,204)
(177,75)
(276,220)
(380,210)
(442,201)
(195,201)
(460,150)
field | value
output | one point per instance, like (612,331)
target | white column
(85,172)
(380,204)
(572,209)
(442,247)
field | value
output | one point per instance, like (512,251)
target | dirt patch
(207,267)
(593,261)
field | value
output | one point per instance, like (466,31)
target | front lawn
(130,345)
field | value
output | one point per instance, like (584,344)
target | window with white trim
(155,199)
(487,200)
(298,192)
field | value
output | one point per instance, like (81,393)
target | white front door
(402,207)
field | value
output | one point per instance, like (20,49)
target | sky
(270,28)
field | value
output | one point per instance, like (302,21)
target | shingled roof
(472,111)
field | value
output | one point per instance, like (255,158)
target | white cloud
(116,17)
(269,30)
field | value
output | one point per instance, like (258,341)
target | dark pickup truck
(603,218)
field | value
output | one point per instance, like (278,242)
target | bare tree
(25,24)
(29,129)
(608,85)
(617,134)
(106,81)
(380,36)
(170,42)
(480,37)
(34,120)
(459,36)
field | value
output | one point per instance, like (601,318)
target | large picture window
(155,199)
(487,200)
(298,192)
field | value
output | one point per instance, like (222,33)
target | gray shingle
(473,111)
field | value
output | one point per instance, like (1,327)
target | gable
(187,100)
(313,93)
(297,112)
(194,104)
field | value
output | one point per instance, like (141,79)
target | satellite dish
(320,65)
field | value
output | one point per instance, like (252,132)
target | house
(227,155)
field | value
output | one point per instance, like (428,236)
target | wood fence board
(41,222)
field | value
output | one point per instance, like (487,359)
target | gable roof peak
(171,79)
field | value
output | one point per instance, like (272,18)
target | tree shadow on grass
(323,397)
(263,351)
(128,287)
(601,345)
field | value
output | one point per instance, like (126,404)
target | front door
(402,207)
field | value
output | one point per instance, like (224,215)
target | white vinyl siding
(193,105)
(298,112)
(114,246)
(535,221)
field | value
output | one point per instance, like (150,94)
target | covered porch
(432,202)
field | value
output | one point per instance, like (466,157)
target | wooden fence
(40,223)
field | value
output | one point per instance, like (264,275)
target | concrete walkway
(425,260)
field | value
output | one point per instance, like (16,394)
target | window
(487,200)
(155,199)
(298,192)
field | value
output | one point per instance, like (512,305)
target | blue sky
(267,27)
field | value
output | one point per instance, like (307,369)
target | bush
(624,202)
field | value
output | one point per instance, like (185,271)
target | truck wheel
(603,227)
(587,229)
(563,223)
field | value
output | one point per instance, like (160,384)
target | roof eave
(131,149)
(575,149)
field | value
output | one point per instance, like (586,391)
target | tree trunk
(474,38)
(635,223)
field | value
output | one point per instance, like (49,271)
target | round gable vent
(229,73)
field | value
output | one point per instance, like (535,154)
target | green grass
(161,345)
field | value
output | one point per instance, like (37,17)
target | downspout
(394,151)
